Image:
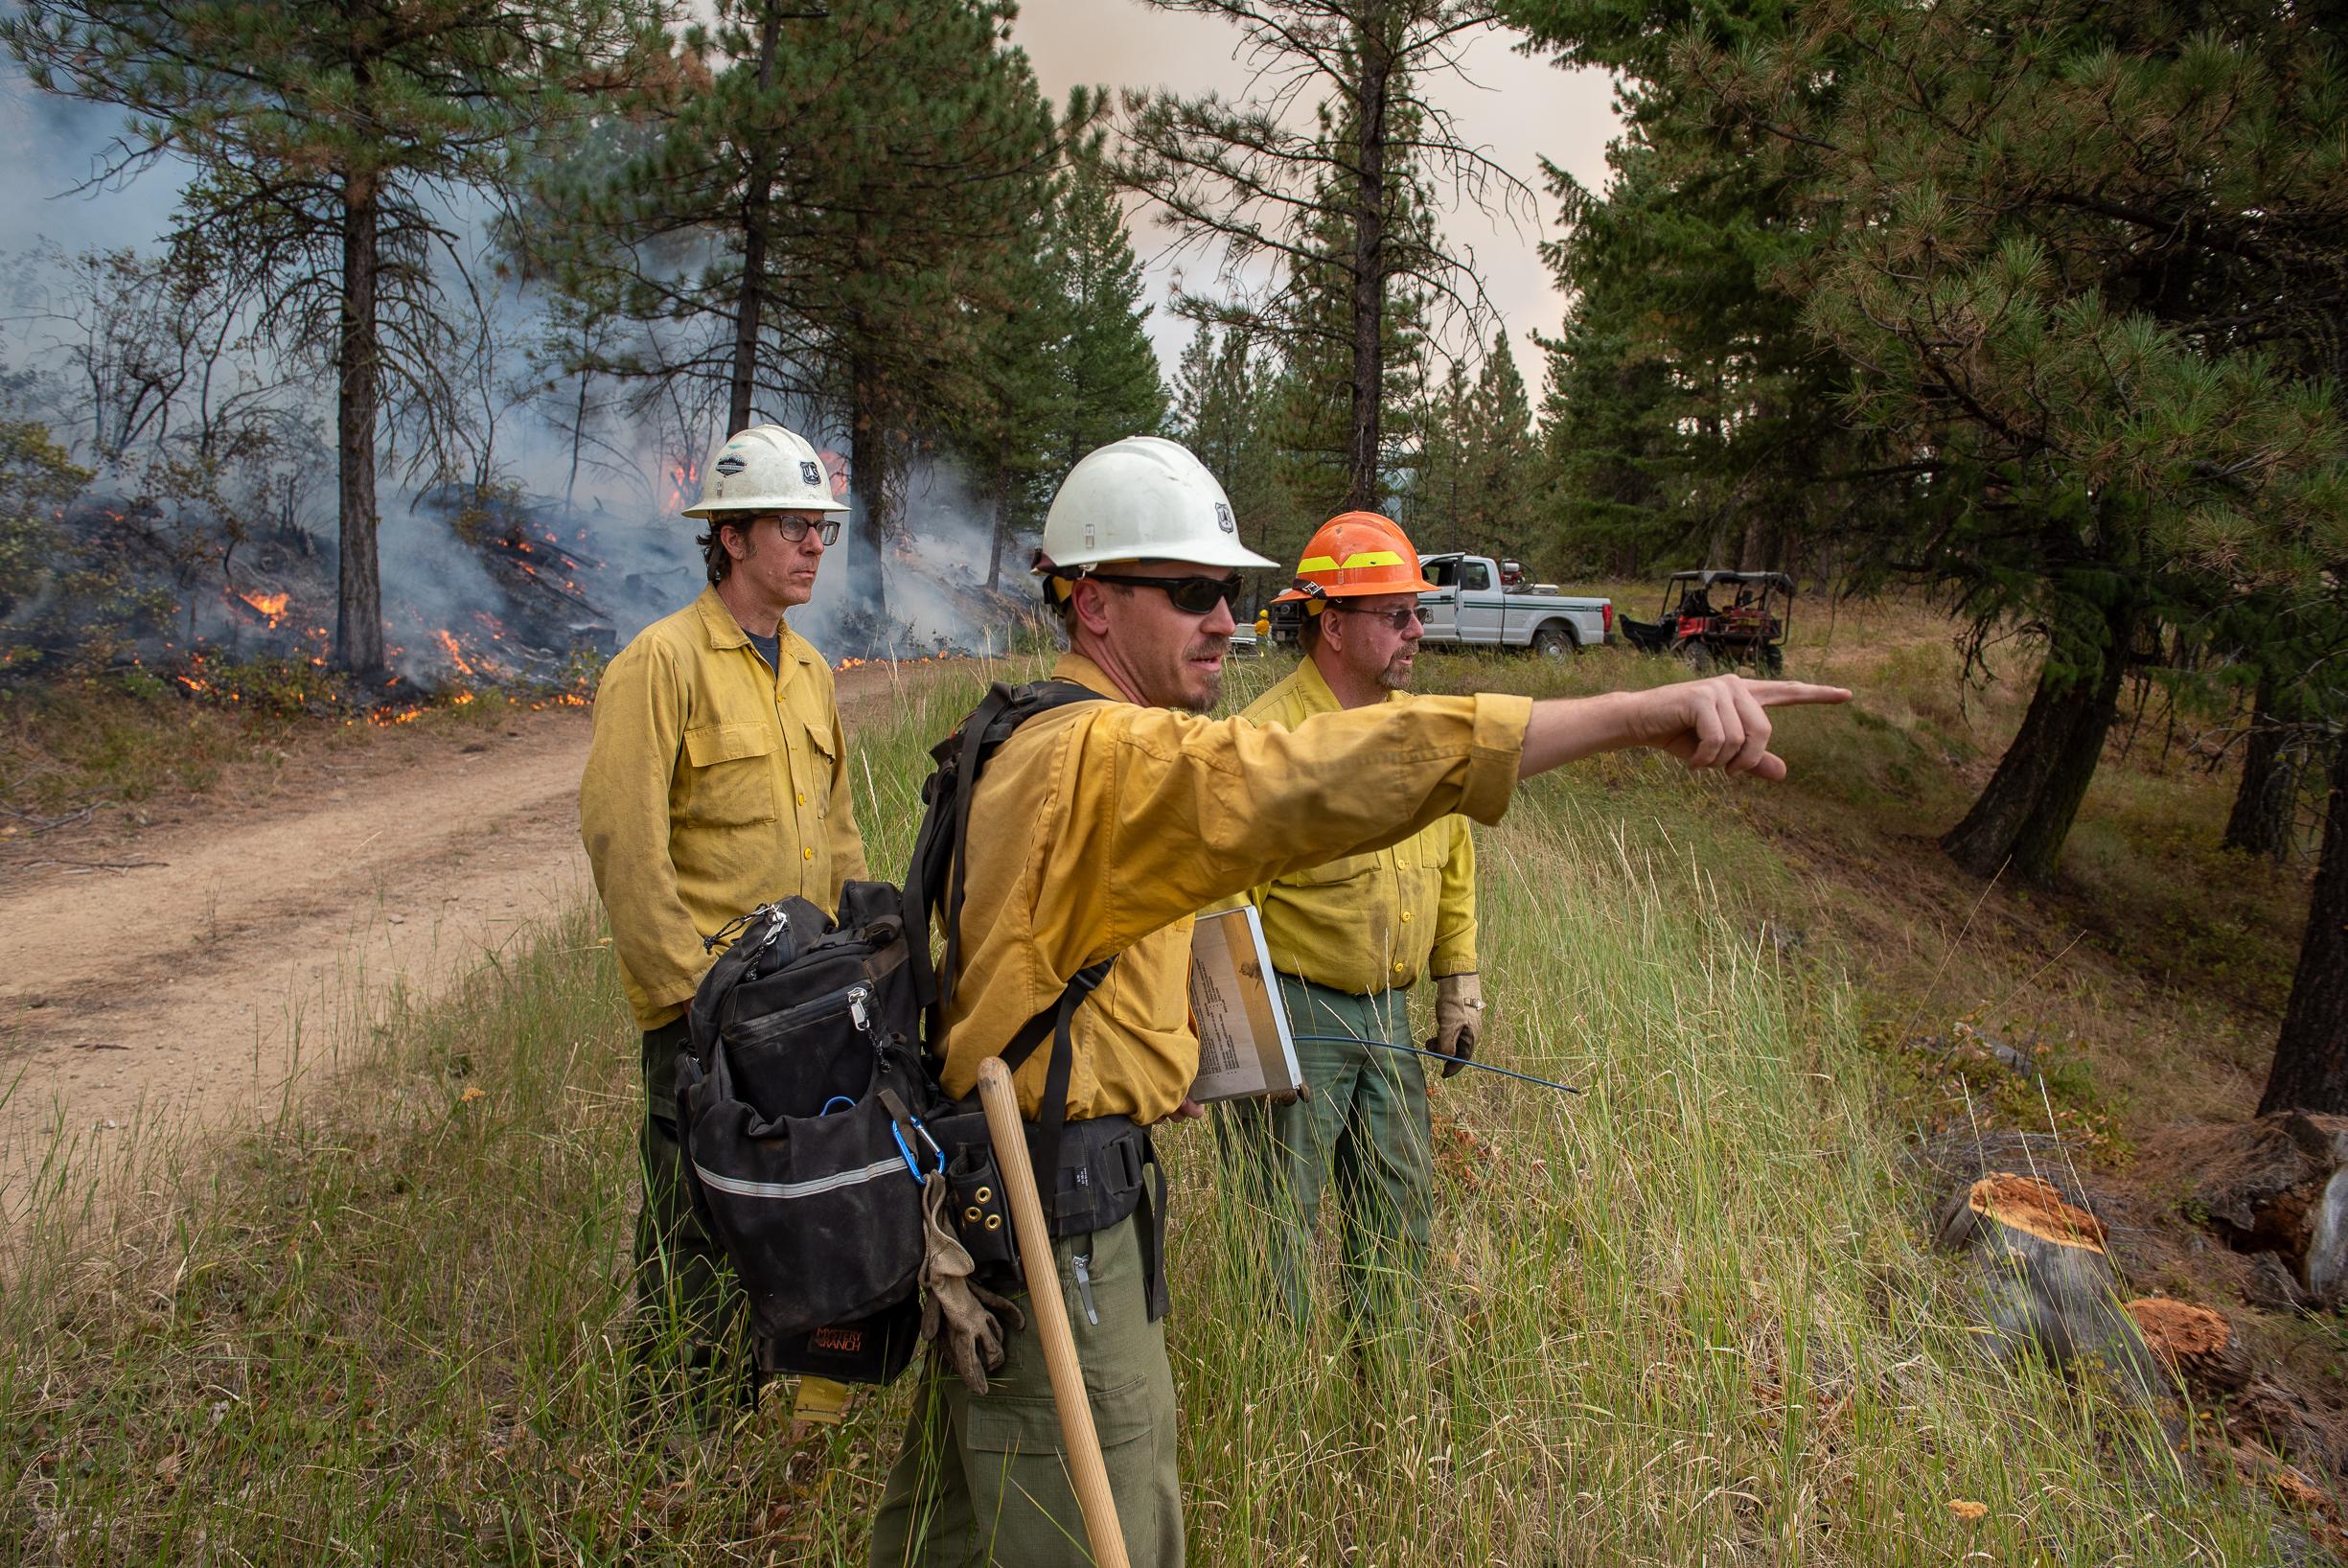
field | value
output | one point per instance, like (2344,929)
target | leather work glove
(968,1316)
(1459,1017)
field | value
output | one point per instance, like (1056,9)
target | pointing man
(1098,828)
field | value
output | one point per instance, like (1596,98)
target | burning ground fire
(270,607)
(860,664)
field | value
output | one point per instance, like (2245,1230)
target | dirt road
(199,972)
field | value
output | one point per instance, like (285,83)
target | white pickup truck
(1474,603)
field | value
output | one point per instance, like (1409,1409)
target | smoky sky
(1518,107)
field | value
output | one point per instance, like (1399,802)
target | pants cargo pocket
(1018,1481)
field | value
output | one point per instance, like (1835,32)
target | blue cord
(1421,1050)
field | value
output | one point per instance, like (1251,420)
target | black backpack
(809,1108)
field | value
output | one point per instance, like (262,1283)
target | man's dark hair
(720,564)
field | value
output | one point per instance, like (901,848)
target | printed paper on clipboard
(1245,1048)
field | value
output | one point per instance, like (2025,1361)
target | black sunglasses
(1399,619)
(1192,595)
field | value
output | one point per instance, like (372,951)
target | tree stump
(2044,1278)
(2199,1344)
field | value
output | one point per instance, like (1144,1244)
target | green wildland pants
(1364,1125)
(982,1478)
(691,1342)
(688,1338)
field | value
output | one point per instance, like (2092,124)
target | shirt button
(807,852)
(803,801)
(1406,917)
(1398,969)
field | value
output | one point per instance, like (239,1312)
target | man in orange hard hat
(1349,939)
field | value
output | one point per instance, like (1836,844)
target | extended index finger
(1786,693)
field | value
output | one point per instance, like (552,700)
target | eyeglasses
(1192,595)
(795,528)
(1399,619)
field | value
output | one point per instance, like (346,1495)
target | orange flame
(270,607)
(456,654)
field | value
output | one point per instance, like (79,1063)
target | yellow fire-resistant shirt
(713,785)
(1376,921)
(1099,827)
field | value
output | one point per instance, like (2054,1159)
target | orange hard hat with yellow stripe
(1356,554)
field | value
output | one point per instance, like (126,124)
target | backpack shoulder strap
(934,881)
(934,884)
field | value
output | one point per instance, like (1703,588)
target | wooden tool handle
(1049,1314)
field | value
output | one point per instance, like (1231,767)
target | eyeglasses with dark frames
(1399,619)
(795,528)
(1192,595)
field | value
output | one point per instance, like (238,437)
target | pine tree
(1108,369)
(2087,308)
(1225,397)
(1337,208)
(1497,516)
(317,130)
(1435,504)
(928,152)
(667,215)
(839,211)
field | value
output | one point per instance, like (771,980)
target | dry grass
(1683,1319)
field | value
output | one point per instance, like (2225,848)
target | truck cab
(1473,603)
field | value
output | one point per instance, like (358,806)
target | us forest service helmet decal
(810,473)
(1224,519)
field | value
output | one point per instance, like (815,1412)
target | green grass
(1685,1318)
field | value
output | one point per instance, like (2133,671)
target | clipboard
(1244,1047)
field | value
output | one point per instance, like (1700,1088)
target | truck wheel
(1772,662)
(1697,653)
(1553,641)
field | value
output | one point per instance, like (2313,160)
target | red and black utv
(1720,618)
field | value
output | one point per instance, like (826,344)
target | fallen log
(2278,1186)
(2200,1346)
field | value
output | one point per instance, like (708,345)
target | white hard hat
(766,469)
(1143,499)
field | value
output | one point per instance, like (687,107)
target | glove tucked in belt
(1459,1017)
(969,1317)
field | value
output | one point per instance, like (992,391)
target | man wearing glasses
(716,780)
(1095,830)
(1350,938)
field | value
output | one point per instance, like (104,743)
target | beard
(1396,676)
(1200,698)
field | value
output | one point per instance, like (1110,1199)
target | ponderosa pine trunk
(756,190)
(2310,1056)
(2266,804)
(359,595)
(866,462)
(2026,811)
(1367,297)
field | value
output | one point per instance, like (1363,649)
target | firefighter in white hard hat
(1111,821)
(716,781)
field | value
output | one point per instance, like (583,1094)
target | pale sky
(1519,110)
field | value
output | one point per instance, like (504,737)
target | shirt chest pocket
(731,778)
(815,784)
(1334,873)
